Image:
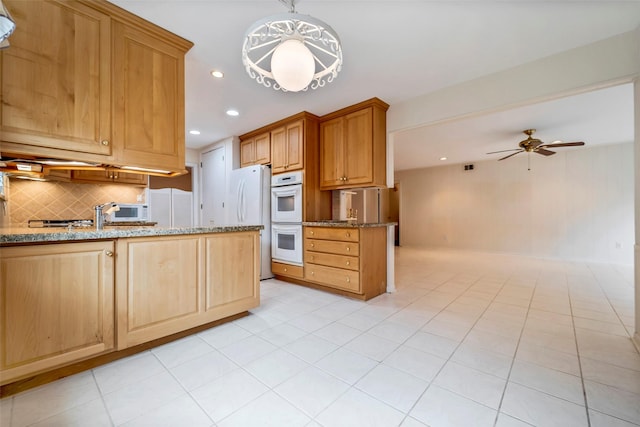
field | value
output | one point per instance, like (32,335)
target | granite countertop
(343,224)
(10,236)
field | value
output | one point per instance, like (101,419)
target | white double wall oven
(286,217)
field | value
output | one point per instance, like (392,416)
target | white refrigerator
(249,203)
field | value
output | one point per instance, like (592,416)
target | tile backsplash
(63,200)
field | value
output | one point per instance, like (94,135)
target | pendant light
(291,52)
(7,25)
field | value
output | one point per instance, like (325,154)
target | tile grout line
(459,344)
(575,337)
(513,359)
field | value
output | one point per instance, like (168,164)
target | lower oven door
(286,243)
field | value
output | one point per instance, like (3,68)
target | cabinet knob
(348,262)
(311,232)
(313,245)
(348,234)
(109,253)
(312,273)
(348,280)
(104,142)
(348,248)
(285,269)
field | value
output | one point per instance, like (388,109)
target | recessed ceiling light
(217,74)
(194,132)
(233,113)
(443,158)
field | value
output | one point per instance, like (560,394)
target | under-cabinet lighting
(217,74)
(26,167)
(443,158)
(194,132)
(134,168)
(233,113)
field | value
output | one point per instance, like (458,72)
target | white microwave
(129,213)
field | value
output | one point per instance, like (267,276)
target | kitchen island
(75,298)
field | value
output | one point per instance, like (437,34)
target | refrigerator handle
(242,202)
(238,200)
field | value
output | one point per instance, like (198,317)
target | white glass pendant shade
(292,65)
(6,25)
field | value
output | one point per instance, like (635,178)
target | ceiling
(399,49)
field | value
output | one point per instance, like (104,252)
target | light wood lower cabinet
(173,283)
(288,270)
(352,259)
(57,305)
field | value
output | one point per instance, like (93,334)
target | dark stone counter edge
(344,224)
(9,237)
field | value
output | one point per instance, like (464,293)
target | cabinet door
(247,152)
(111,176)
(232,272)
(57,305)
(332,153)
(158,287)
(358,149)
(149,100)
(92,176)
(56,78)
(262,149)
(120,177)
(279,150)
(295,146)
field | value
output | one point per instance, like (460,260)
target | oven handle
(280,192)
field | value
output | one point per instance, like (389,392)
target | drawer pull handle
(311,233)
(348,248)
(285,269)
(312,273)
(348,262)
(109,253)
(348,234)
(348,280)
(313,245)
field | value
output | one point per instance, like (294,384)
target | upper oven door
(286,204)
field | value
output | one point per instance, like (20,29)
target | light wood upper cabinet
(287,147)
(148,113)
(89,81)
(110,176)
(256,150)
(56,78)
(294,146)
(353,146)
(57,305)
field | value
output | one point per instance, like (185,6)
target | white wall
(577,204)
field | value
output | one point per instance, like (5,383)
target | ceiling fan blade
(544,152)
(504,151)
(506,157)
(563,144)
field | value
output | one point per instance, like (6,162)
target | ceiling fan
(534,145)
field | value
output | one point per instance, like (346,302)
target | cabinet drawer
(287,270)
(332,247)
(331,260)
(329,233)
(335,277)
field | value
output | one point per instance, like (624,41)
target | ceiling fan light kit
(534,145)
(291,52)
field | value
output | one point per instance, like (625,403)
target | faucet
(100,213)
